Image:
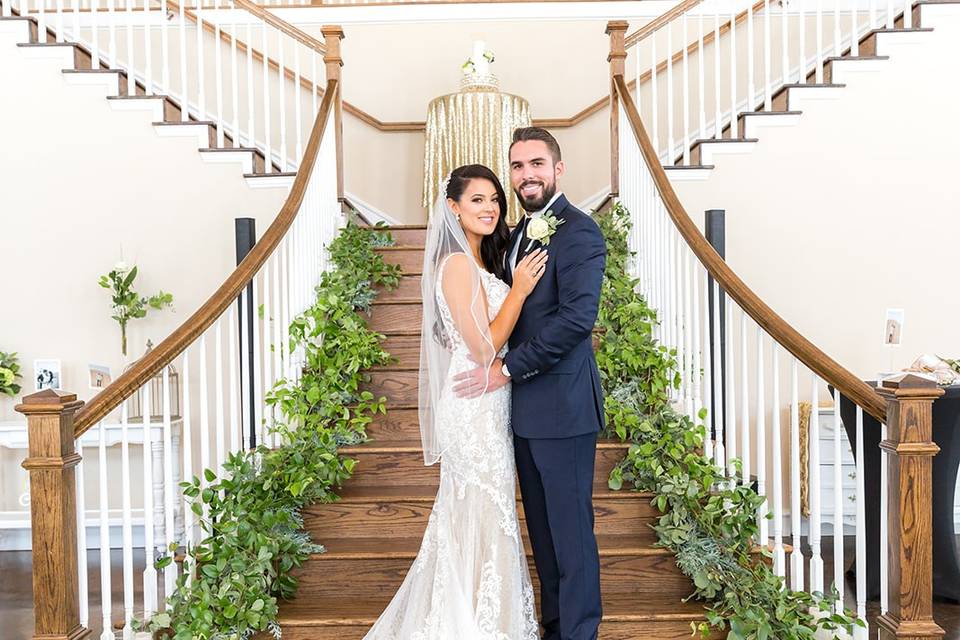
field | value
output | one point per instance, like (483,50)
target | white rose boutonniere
(542,229)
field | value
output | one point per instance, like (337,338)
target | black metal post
(246,236)
(714,226)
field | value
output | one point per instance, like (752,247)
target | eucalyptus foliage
(127,304)
(249,515)
(707,520)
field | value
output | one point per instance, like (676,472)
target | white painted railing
(226,63)
(223,376)
(693,75)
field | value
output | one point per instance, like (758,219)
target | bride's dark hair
(494,246)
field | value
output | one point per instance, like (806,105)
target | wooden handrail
(163,354)
(655,24)
(287,28)
(809,354)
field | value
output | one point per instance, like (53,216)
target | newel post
(53,513)
(617,30)
(910,447)
(332,36)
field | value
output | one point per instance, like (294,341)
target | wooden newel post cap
(617,25)
(49,401)
(909,385)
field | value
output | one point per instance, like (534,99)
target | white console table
(13,435)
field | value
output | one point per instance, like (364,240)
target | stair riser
(408,519)
(660,630)
(654,575)
(410,260)
(409,288)
(397,424)
(396,317)
(408,237)
(399,387)
(407,468)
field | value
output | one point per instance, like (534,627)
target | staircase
(373,533)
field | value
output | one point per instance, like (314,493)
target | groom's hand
(476,382)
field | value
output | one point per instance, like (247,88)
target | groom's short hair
(537,133)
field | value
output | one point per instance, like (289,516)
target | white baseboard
(15,534)
(369,211)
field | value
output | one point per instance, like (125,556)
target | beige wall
(849,213)
(81,182)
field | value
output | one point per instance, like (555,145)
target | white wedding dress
(470,580)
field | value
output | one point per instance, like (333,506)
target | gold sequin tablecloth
(471,127)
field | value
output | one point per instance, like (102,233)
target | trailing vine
(710,524)
(249,516)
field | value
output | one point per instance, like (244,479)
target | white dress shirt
(515,250)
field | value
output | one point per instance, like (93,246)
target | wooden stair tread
(611,545)
(617,607)
(360,494)
(414,446)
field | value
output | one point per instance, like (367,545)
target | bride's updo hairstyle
(494,246)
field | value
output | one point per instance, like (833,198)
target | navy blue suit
(557,412)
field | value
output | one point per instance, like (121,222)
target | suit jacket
(556,383)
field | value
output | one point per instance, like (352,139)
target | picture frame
(47,374)
(98,376)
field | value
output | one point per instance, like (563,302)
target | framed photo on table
(47,374)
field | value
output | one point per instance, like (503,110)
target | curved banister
(660,21)
(285,27)
(805,351)
(163,354)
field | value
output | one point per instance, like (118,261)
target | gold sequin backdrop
(471,127)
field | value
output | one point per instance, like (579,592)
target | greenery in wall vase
(127,303)
(9,373)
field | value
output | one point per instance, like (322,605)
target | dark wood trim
(778,328)
(51,464)
(911,449)
(140,373)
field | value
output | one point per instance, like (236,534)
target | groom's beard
(536,204)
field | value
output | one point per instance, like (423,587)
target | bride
(470,580)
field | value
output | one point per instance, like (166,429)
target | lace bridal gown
(470,579)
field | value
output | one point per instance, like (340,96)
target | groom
(557,400)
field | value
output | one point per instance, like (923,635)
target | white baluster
(246,371)
(268,146)
(796,555)
(889,16)
(685,63)
(285,315)
(836,30)
(5,8)
(744,402)
(184,80)
(730,378)
(265,342)
(127,523)
(251,116)
(907,14)
(76,19)
(204,421)
(802,63)
(282,92)
(164,49)
(861,562)
(94,34)
(201,65)
(854,30)
(41,21)
(751,84)
(717,121)
(670,108)
(732,35)
(236,438)
(257,388)
(131,54)
(779,558)
(220,410)
(147,49)
(149,548)
(235,80)
(106,599)
(701,63)
(762,443)
(688,377)
(819,52)
(654,100)
(719,452)
(218,73)
(696,377)
(838,562)
(58,24)
(767,88)
(813,444)
(708,359)
(187,440)
(276,321)
(298,108)
(785,44)
(169,489)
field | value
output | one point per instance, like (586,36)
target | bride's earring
(458,217)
